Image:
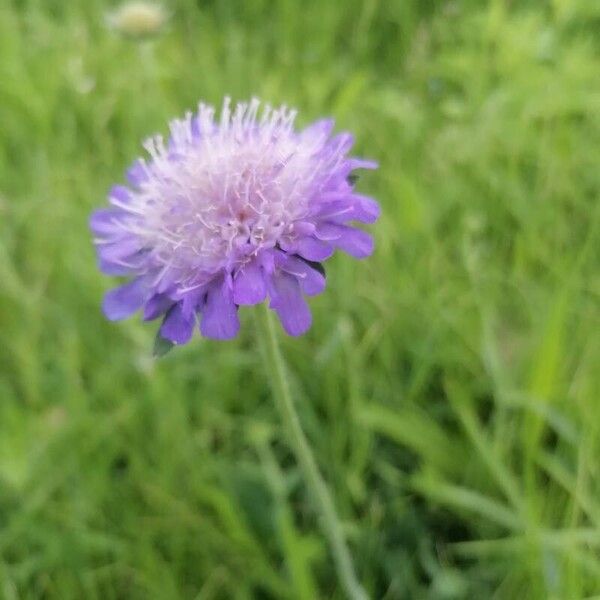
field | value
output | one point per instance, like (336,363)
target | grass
(449,385)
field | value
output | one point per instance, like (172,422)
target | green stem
(320,494)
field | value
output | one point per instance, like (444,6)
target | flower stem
(320,494)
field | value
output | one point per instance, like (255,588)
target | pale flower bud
(138,19)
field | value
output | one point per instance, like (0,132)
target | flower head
(227,212)
(138,19)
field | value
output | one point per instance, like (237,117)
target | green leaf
(161,346)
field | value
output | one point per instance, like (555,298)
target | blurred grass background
(449,384)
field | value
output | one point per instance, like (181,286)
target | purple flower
(228,212)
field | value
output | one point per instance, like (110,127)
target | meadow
(449,384)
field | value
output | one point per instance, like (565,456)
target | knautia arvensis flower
(230,211)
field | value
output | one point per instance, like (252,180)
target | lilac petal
(103,221)
(177,327)
(338,211)
(119,194)
(343,207)
(342,142)
(311,281)
(313,249)
(267,260)
(249,285)
(365,209)
(362,163)
(167,278)
(288,302)
(113,264)
(123,301)
(195,128)
(113,268)
(355,242)
(329,232)
(318,131)
(158,305)
(193,300)
(118,250)
(137,174)
(219,316)
(304,228)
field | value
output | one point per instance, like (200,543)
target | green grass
(450,385)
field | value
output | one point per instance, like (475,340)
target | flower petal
(103,221)
(114,268)
(355,242)
(118,250)
(365,209)
(311,281)
(219,316)
(158,305)
(290,305)
(119,194)
(349,207)
(123,301)
(337,211)
(304,228)
(313,249)
(342,142)
(319,131)
(176,327)
(267,258)
(249,285)
(192,300)
(329,232)
(362,163)
(137,174)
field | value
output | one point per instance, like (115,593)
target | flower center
(205,216)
